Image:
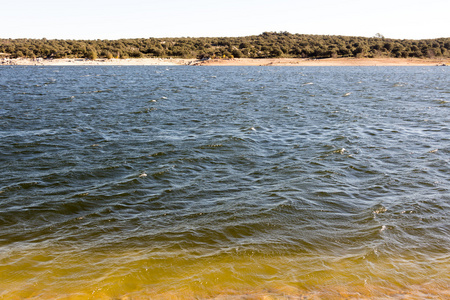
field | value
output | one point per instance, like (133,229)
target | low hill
(265,45)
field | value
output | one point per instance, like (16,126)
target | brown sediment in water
(330,292)
(130,275)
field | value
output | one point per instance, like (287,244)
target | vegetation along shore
(273,45)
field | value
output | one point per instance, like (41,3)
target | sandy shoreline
(231,62)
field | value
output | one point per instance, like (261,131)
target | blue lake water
(200,182)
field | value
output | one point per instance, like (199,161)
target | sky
(113,19)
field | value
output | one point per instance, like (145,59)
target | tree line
(265,45)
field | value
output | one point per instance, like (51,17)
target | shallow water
(188,182)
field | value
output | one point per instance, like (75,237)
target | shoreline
(229,62)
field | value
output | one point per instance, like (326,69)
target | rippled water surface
(185,182)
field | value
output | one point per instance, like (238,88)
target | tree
(136,54)
(276,52)
(92,54)
(388,46)
(19,54)
(237,53)
(361,51)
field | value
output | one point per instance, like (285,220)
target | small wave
(440,101)
(145,110)
(161,153)
(68,98)
(22,185)
(52,81)
(378,209)
(340,151)
(98,91)
(210,146)
(161,173)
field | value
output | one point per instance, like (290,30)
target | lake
(217,182)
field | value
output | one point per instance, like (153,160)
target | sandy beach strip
(329,62)
(230,62)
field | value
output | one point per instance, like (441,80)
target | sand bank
(328,62)
(231,62)
(97,62)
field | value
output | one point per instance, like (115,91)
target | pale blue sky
(112,19)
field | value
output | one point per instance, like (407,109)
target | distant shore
(230,62)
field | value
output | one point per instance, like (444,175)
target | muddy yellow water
(143,275)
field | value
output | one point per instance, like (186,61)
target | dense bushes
(267,44)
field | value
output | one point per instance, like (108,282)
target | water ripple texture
(199,182)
